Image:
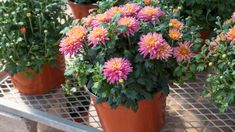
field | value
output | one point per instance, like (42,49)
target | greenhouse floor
(186,110)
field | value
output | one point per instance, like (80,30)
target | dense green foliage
(204,12)
(30,31)
(219,56)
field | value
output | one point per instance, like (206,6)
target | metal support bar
(44,118)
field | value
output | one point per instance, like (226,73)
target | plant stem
(31,26)
(129,41)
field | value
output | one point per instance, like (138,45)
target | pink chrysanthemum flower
(77,31)
(150,13)
(95,23)
(231,35)
(212,47)
(183,52)
(132,24)
(164,51)
(74,40)
(130,9)
(98,35)
(70,45)
(116,69)
(149,44)
(113,11)
(88,20)
(102,17)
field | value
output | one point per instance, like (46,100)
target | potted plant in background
(81,8)
(219,56)
(128,58)
(204,12)
(29,43)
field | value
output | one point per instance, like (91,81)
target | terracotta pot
(204,34)
(41,83)
(79,11)
(150,116)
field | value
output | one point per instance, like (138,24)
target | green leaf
(122,29)
(116,18)
(201,67)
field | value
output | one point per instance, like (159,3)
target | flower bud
(23,30)
(221,77)
(211,64)
(28,14)
(224,56)
(121,80)
(147,2)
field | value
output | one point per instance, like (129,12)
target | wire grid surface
(55,103)
(186,110)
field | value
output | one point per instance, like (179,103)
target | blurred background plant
(203,12)
(218,56)
(30,32)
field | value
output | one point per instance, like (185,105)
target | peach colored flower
(74,40)
(98,35)
(150,14)
(175,34)
(70,45)
(130,9)
(116,69)
(88,20)
(231,35)
(147,2)
(164,51)
(176,24)
(132,24)
(78,32)
(183,52)
(103,17)
(228,21)
(113,11)
(149,44)
(220,37)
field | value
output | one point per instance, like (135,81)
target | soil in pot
(40,83)
(80,10)
(150,116)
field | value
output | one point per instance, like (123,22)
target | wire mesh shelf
(186,110)
(56,103)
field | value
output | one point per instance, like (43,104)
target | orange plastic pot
(79,11)
(150,116)
(41,83)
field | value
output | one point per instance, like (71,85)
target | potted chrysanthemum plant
(81,8)
(127,60)
(219,57)
(30,34)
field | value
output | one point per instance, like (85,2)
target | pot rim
(89,92)
(70,2)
